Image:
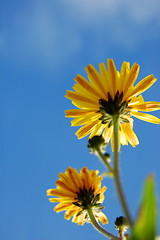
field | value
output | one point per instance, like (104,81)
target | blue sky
(43,45)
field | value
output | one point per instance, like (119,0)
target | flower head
(97,142)
(121,224)
(76,192)
(108,93)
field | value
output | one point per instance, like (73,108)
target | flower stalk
(116,170)
(98,226)
(104,161)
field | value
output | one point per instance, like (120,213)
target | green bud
(96,143)
(121,224)
(121,221)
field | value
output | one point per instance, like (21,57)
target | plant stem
(103,158)
(116,170)
(98,227)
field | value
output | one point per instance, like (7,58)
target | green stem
(104,161)
(116,170)
(98,227)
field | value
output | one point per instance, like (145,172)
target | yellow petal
(80,220)
(105,78)
(84,92)
(64,186)
(85,177)
(123,138)
(85,85)
(124,72)
(86,129)
(74,177)
(107,133)
(97,130)
(146,117)
(102,217)
(65,177)
(80,101)
(62,206)
(147,106)
(130,134)
(60,193)
(94,180)
(71,212)
(113,74)
(132,76)
(63,199)
(54,199)
(142,86)
(136,100)
(94,78)
(100,190)
(85,120)
(77,112)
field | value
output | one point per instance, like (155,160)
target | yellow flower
(108,93)
(76,192)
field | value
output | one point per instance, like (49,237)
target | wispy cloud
(48,32)
(37,34)
(139,11)
(143,11)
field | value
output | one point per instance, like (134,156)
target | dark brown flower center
(113,107)
(86,197)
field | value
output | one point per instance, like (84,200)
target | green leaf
(107,174)
(145,225)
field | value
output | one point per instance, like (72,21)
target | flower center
(86,198)
(114,107)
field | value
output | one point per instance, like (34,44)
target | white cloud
(125,23)
(138,11)
(50,32)
(39,36)
(142,11)
(89,10)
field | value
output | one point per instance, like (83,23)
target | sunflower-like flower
(76,192)
(108,93)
